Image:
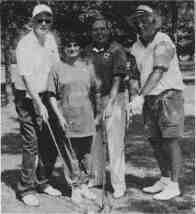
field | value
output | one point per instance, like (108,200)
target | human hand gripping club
(63,123)
(42,110)
(108,110)
(136,105)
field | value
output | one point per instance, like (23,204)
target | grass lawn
(141,170)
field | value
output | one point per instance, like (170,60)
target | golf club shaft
(57,147)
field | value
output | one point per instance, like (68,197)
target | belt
(164,92)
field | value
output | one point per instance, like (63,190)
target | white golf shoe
(30,200)
(76,195)
(119,192)
(158,186)
(87,193)
(52,191)
(170,191)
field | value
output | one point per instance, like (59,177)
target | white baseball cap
(144,9)
(40,8)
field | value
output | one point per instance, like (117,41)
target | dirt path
(141,170)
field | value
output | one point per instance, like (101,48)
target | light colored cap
(40,8)
(143,9)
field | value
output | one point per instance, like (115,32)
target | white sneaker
(170,191)
(76,195)
(30,200)
(92,183)
(158,186)
(52,191)
(118,193)
(87,193)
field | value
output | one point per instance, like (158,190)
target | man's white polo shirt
(145,58)
(34,61)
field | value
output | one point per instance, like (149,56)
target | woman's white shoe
(158,186)
(52,191)
(30,200)
(170,191)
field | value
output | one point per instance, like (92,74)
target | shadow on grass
(59,181)
(11,177)
(189,123)
(139,154)
(137,182)
(150,206)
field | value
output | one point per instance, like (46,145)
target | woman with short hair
(69,86)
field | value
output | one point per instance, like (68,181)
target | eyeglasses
(47,21)
(100,29)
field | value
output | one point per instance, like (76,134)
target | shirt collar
(144,43)
(100,50)
(95,49)
(35,39)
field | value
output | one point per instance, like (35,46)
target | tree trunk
(8,83)
(174,20)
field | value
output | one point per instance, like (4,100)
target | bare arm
(133,87)
(113,94)
(115,89)
(55,108)
(61,119)
(152,81)
(24,57)
(119,72)
(134,76)
(163,54)
(32,92)
(36,98)
(53,90)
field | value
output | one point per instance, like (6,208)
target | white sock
(165,180)
(174,183)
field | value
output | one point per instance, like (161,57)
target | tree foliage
(178,20)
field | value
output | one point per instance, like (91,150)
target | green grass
(141,170)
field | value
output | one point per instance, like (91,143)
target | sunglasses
(69,45)
(47,21)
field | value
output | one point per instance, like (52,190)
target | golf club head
(105,209)
(76,195)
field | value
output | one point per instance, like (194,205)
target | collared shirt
(160,52)
(131,67)
(108,62)
(34,61)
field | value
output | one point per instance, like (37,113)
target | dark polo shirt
(109,62)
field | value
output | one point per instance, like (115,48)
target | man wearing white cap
(35,53)
(161,98)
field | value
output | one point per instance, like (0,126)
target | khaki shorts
(164,114)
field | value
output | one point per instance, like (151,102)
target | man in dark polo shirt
(109,60)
